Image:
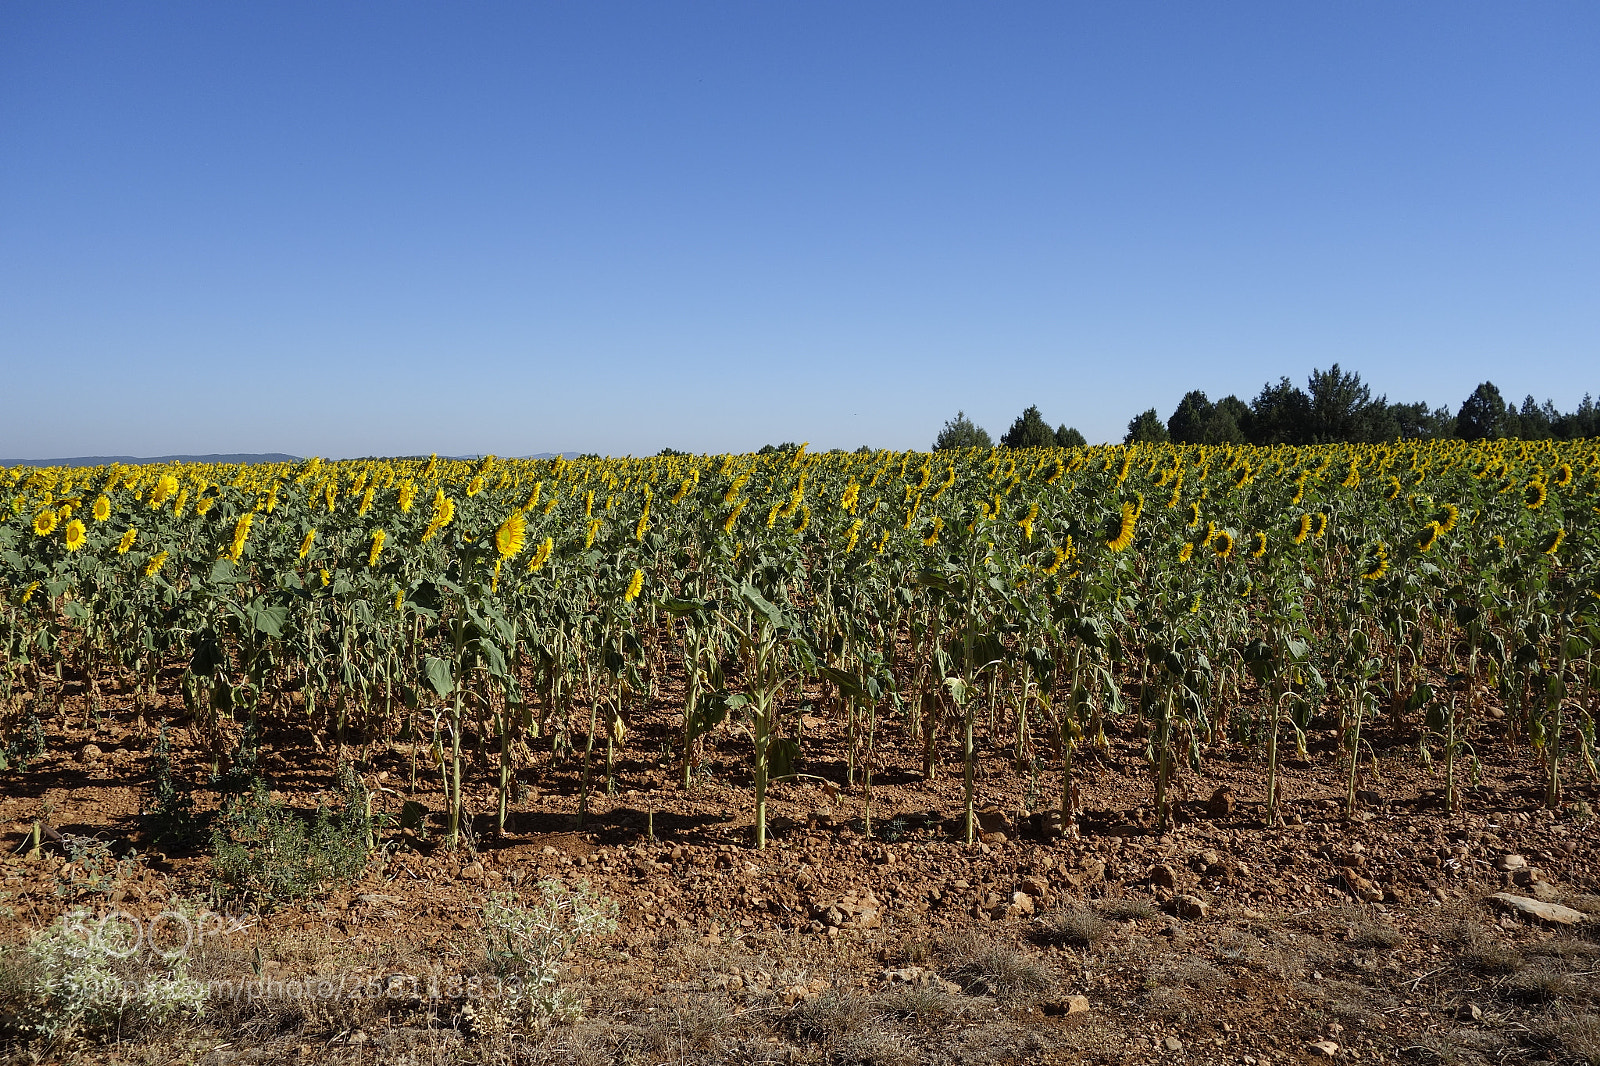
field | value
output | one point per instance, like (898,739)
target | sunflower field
(502,613)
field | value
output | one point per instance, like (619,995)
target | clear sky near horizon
(349,229)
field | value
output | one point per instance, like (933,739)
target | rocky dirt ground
(1387,935)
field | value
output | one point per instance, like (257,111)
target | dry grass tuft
(987,965)
(1077,927)
(1128,909)
(1375,935)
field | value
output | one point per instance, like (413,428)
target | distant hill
(130,460)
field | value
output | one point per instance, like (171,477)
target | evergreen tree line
(1335,406)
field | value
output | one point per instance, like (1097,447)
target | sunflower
(635,583)
(1319,524)
(444,509)
(1026,525)
(1302,529)
(1563,476)
(1222,544)
(855,534)
(1534,495)
(127,541)
(75,535)
(241,534)
(1447,517)
(408,495)
(44,523)
(933,532)
(538,487)
(727,525)
(541,554)
(27,593)
(512,535)
(475,486)
(1194,515)
(378,537)
(1395,488)
(399,599)
(204,504)
(1429,534)
(101,509)
(1258,544)
(1380,563)
(166,486)
(1552,541)
(1123,535)
(1185,552)
(157,561)
(305,545)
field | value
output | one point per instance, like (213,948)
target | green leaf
(848,683)
(269,620)
(438,675)
(760,604)
(223,572)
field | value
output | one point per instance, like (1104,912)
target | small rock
(547,851)
(472,871)
(1220,805)
(1164,876)
(1507,863)
(1545,892)
(1037,887)
(1191,907)
(1069,1006)
(1325,1048)
(1173,1043)
(1469,1012)
(90,753)
(1534,908)
(1361,888)
(1369,797)
(993,820)
(1021,905)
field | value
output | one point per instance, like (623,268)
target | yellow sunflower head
(1222,543)
(1121,532)
(512,535)
(1429,534)
(44,523)
(1302,529)
(1534,495)
(126,542)
(101,509)
(1258,545)
(1552,542)
(75,535)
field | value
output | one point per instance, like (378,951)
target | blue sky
(395,228)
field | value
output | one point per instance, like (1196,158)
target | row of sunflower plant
(1016,600)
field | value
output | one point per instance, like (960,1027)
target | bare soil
(1365,938)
